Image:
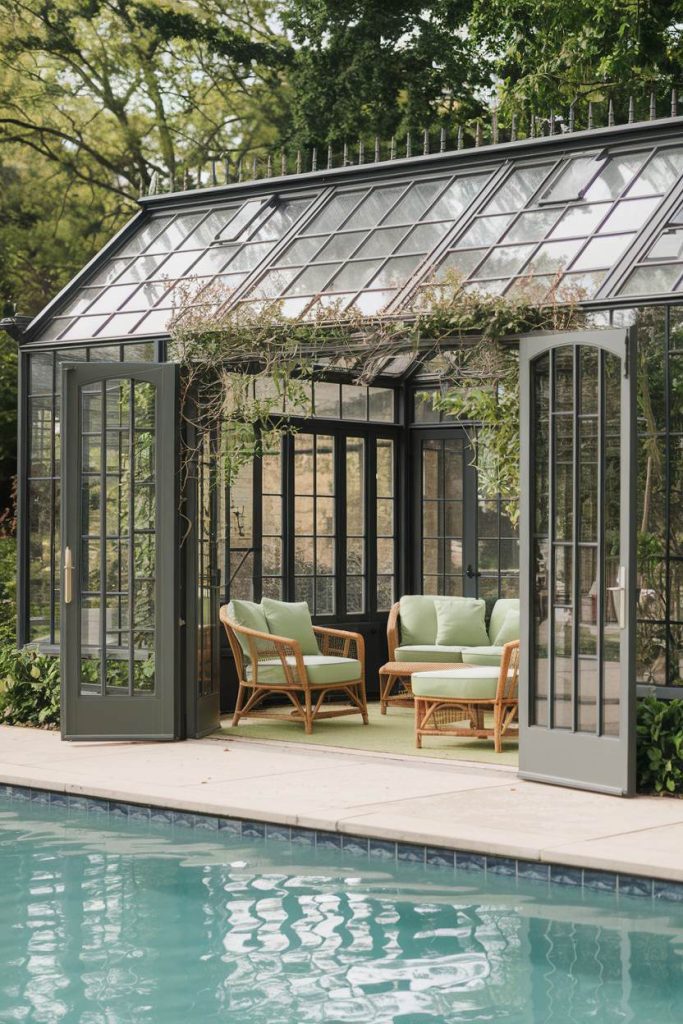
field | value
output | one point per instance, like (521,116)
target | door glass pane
(443,467)
(315,521)
(386,525)
(355,525)
(117,556)
(611,643)
(540,545)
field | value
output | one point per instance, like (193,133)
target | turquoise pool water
(108,921)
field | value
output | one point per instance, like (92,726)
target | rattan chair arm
(348,637)
(393,638)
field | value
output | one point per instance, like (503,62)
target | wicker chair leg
(418,723)
(364,701)
(498,728)
(238,705)
(309,712)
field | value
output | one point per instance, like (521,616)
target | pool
(107,920)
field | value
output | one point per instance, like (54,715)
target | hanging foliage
(250,368)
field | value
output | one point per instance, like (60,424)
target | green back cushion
(250,615)
(461,620)
(291,620)
(509,629)
(500,609)
(418,619)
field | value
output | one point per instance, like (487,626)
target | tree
(364,67)
(115,90)
(549,53)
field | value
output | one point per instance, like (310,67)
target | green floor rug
(392,733)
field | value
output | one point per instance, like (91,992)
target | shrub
(660,746)
(29,688)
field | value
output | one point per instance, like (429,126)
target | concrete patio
(458,805)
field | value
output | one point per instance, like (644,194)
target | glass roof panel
(383,234)
(218,245)
(556,224)
(571,217)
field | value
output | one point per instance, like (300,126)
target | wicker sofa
(420,624)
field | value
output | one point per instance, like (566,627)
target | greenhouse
(128,548)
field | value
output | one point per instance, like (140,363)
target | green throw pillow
(509,630)
(461,620)
(291,620)
(500,609)
(250,615)
(418,619)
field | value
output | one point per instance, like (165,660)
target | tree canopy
(97,97)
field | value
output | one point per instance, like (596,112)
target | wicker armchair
(438,712)
(276,666)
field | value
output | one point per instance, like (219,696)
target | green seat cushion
(482,655)
(426,652)
(293,621)
(498,613)
(250,615)
(509,630)
(460,621)
(320,669)
(476,683)
(418,619)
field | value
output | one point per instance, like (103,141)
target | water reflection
(104,922)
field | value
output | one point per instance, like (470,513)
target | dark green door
(120,582)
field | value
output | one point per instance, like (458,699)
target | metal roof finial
(254,167)
(653,106)
(199,176)
(513,128)
(239,169)
(298,161)
(392,148)
(590,115)
(314,158)
(283,162)
(361,150)
(610,114)
(409,145)
(329,155)
(226,169)
(478,134)
(378,153)
(674,103)
(494,125)
(425,143)
(461,137)
(551,124)
(631,110)
(572,117)
(345,155)
(442,140)
(269,166)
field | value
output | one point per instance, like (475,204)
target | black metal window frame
(339,430)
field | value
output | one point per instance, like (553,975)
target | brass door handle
(68,576)
(620,590)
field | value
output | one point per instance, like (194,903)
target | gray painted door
(577,579)
(119,636)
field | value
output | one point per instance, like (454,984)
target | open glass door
(120,592)
(577,580)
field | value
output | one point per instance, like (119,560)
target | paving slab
(437,803)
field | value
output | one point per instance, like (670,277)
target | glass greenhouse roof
(573,224)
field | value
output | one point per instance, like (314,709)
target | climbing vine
(249,368)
